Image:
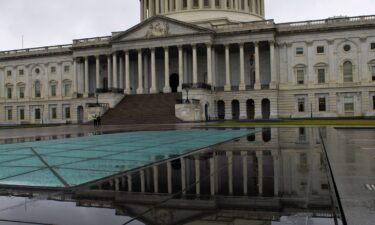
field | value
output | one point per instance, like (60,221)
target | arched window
(348,71)
(37,89)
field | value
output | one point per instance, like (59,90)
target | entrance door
(80,114)
(174,82)
(221,110)
(250,108)
(235,110)
(266,109)
(206,112)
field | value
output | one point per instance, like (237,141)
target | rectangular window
(9,114)
(67,113)
(22,92)
(322,105)
(373,46)
(320,49)
(21,72)
(66,69)
(53,90)
(37,114)
(302,134)
(9,93)
(300,76)
(299,51)
(373,73)
(53,69)
(321,76)
(9,73)
(53,113)
(349,104)
(22,114)
(301,105)
(67,88)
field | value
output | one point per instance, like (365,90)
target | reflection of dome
(205,11)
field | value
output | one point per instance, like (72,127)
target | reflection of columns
(276,166)
(140,73)
(156,179)
(153,72)
(197,176)
(242,68)
(169,177)
(183,176)
(259,155)
(86,76)
(273,66)
(97,71)
(167,86)
(180,67)
(115,73)
(257,85)
(228,85)
(195,65)
(244,171)
(127,73)
(130,183)
(212,175)
(230,172)
(209,64)
(143,183)
(109,80)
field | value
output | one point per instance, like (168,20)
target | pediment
(158,27)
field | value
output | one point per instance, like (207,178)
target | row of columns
(151,8)
(116,82)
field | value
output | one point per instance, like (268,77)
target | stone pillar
(157,7)
(156,179)
(178,5)
(130,183)
(257,85)
(75,76)
(143,181)
(209,64)
(197,176)
(213,5)
(223,4)
(167,86)
(169,177)
(127,73)
(109,72)
(121,74)
(153,72)
(259,155)
(86,77)
(213,54)
(150,8)
(200,4)
(273,84)
(212,176)
(253,8)
(97,71)
(183,176)
(142,9)
(228,85)
(140,73)
(244,172)
(165,6)
(246,7)
(242,86)
(115,72)
(236,5)
(230,172)
(180,68)
(195,65)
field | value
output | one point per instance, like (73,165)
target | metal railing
(37,50)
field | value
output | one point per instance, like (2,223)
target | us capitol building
(223,55)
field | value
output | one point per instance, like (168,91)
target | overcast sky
(54,22)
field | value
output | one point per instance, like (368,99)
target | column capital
(241,44)
(97,56)
(166,48)
(208,44)
(256,43)
(180,46)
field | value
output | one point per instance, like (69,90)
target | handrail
(38,49)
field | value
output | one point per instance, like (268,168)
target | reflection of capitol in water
(261,177)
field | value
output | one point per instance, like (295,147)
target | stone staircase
(144,109)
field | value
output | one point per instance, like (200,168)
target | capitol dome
(202,12)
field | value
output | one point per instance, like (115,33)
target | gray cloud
(53,22)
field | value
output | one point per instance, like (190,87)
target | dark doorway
(221,110)
(250,109)
(206,112)
(235,110)
(174,82)
(80,114)
(105,84)
(266,109)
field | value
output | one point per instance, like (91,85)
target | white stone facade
(239,66)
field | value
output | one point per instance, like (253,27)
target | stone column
(200,4)
(130,183)
(213,5)
(213,54)
(228,85)
(242,86)
(230,172)
(236,4)
(167,86)
(140,73)
(180,68)
(115,73)
(183,176)
(212,176)
(121,74)
(127,73)
(143,181)
(253,8)
(310,65)
(169,177)
(259,155)
(86,77)
(244,172)
(223,4)
(257,85)
(178,5)
(97,71)
(142,9)
(246,7)
(75,76)
(153,72)
(156,179)
(209,64)
(273,84)
(157,7)
(197,176)
(109,72)
(150,8)
(195,65)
